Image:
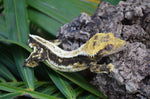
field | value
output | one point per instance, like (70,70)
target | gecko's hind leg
(97,68)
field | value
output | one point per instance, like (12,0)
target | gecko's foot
(28,63)
(102,68)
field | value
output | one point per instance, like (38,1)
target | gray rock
(129,21)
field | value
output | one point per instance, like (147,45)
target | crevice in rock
(126,22)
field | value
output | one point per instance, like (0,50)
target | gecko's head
(104,44)
(38,53)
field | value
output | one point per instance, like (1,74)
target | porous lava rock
(129,21)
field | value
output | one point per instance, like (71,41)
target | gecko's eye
(109,47)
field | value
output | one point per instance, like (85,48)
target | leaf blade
(8,88)
(51,25)
(6,73)
(18,30)
(63,85)
(3,29)
(17,26)
(10,95)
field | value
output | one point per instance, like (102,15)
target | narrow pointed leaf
(27,74)
(6,60)
(44,21)
(63,10)
(89,96)
(8,88)
(114,2)
(3,29)
(2,80)
(10,95)
(17,25)
(46,87)
(80,81)
(16,84)
(63,85)
(59,94)
(79,90)
(18,30)
(16,43)
(84,5)
(49,9)
(6,73)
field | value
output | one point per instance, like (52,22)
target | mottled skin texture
(99,46)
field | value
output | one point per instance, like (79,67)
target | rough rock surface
(129,21)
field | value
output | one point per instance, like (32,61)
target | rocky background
(129,21)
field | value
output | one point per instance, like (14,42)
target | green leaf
(88,96)
(16,43)
(63,85)
(80,81)
(18,30)
(6,73)
(59,94)
(3,29)
(47,88)
(2,80)
(79,90)
(17,25)
(8,88)
(44,21)
(113,2)
(47,7)
(41,83)
(16,84)
(10,95)
(62,11)
(84,5)
(8,62)
(44,87)
(27,74)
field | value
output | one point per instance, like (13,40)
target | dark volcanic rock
(129,21)
(77,32)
